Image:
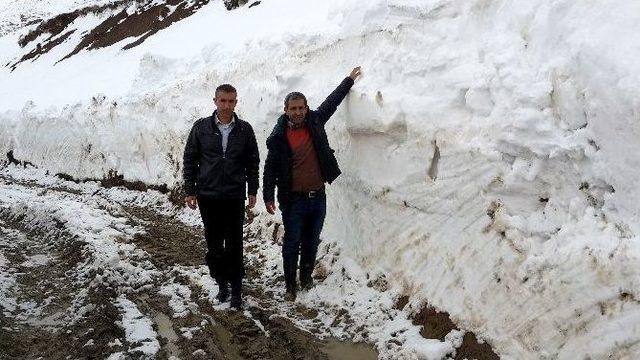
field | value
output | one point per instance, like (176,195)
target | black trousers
(223,220)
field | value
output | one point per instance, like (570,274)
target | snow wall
(490,151)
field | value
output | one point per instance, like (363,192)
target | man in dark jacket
(220,159)
(299,162)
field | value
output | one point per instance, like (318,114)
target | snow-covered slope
(490,150)
(14,14)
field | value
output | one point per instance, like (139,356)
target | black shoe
(306,284)
(290,294)
(236,301)
(223,293)
(236,293)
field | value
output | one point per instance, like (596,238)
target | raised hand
(355,73)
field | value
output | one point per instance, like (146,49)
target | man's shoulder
(241,122)
(278,128)
(200,122)
(244,125)
(313,117)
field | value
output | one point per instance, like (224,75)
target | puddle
(342,350)
(36,260)
(165,329)
(225,343)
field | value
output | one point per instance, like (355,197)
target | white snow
(14,13)
(37,260)
(138,328)
(8,300)
(532,108)
(179,298)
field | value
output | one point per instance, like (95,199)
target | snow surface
(8,302)
(138,328)
(14,13)
(344,301)
(490,150)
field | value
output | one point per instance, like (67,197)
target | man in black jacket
(220,159)
(299,162)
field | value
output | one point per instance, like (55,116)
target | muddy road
(89,272)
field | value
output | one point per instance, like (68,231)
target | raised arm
(330,105)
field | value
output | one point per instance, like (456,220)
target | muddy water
(165,330)
(342,350)
(218,334)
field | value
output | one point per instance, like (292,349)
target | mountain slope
(488,151)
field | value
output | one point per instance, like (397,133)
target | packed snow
(489,152)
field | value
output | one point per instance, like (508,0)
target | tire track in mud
(43,322)
(226,334)
(172,248)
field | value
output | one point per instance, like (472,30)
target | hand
(191,202)
(252,202)
(355,73)
(271,207)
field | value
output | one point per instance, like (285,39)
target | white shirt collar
(233,121)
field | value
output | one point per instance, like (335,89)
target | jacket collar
(281,126)
(212,120)
(283,123)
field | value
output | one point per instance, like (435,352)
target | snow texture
(489,151)
(138,328)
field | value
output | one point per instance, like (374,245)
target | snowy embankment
(489,151)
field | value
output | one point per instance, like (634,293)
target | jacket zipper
(224,156)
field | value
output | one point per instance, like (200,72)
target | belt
(307,194)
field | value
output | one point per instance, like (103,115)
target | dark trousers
(302,219)
(223,220)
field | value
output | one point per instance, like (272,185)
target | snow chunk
(138,328)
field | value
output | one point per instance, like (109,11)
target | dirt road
(89,272)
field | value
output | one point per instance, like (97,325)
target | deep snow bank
(489,151)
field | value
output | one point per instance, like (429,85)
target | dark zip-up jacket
(210,172)
(278,166)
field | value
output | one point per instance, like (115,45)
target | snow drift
(490,150)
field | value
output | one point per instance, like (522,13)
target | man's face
(296,110)
(225,102)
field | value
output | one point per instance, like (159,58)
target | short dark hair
(294,96)
(225,88)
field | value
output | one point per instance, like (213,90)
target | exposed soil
(262,331)
(168,241)
(59,23)
(127,22)
(14,161)
(77,315)
(39,50)
(47,329)
(436,325)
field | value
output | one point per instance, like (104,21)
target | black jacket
(278,166)
(210,172)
